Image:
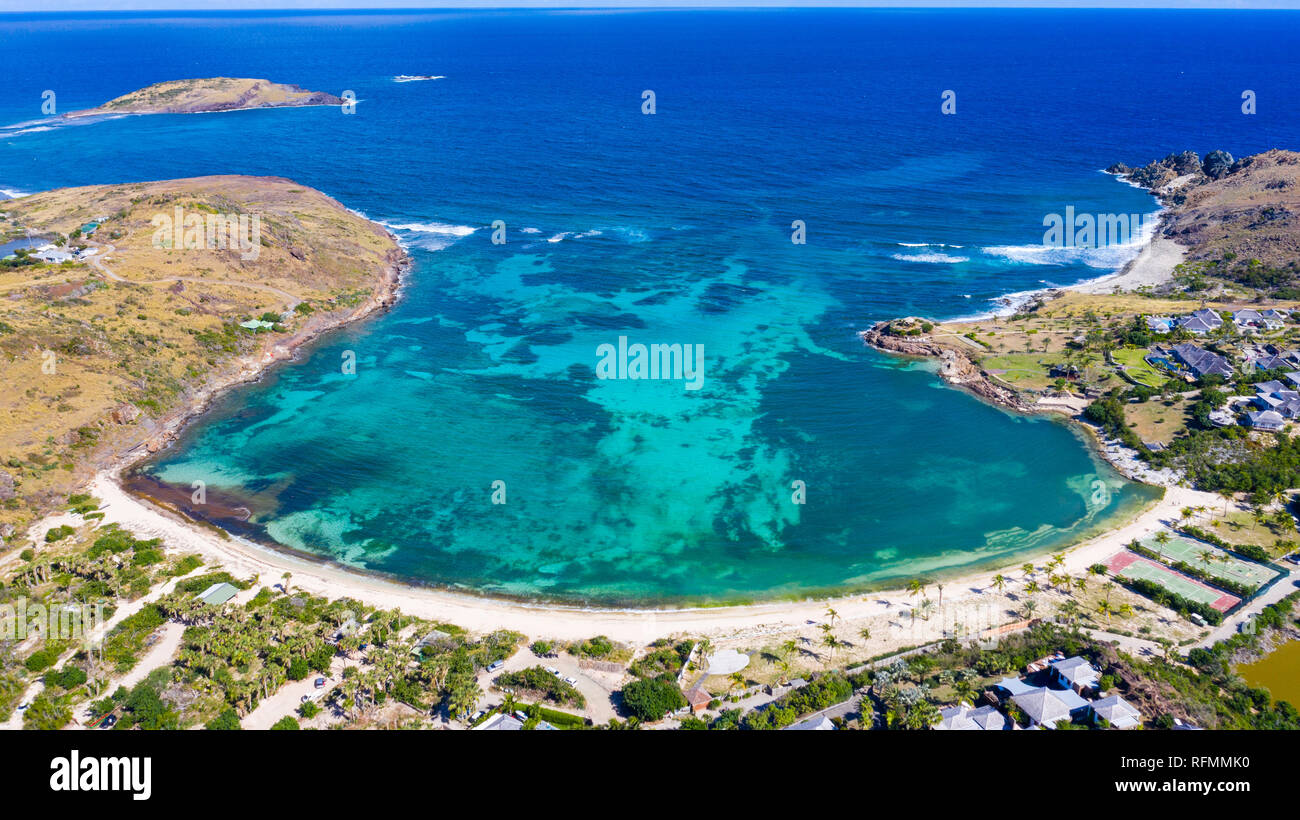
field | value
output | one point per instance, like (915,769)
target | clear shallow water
(671,228)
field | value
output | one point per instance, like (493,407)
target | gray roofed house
(1294,377)
(1201,322)
(1046,707)
(817,724)
(1159,324)
(1202,362)
(501,723)
(1116,711)
(1014,686)
(1076,673)
(1266,420)
(1264,388)
(963,718)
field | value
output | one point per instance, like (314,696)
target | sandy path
(967,598)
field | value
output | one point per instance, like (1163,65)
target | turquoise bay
(673,228)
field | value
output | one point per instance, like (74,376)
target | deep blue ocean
(673,228)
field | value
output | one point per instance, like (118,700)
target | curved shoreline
(573,622)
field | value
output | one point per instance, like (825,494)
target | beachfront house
(1047,707)
(1075,673)
(963,718)
(1202,362)
(1201,322)
(218,594)
(1116,711)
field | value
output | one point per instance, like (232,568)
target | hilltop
(1238,219)
(113,339)
(209,94)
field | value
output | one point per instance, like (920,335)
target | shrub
(649,699)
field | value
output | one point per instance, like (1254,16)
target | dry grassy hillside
(1252,213)
(210,94)
(101,355)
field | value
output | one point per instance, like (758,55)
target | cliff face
(955,369)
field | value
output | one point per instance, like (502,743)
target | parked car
(495,665)
(320,683)
(571,681)
(109,722)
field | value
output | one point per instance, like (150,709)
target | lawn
(1138,367)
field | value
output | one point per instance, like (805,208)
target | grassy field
(1156,420)
(1138,367)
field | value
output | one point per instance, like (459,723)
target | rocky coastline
(157,434)
(954,368)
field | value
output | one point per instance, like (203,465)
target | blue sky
(202,5)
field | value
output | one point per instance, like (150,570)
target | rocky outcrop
(7,490)
(1217,165)
(955,369)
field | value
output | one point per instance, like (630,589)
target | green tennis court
(1131,565)
(1221,564)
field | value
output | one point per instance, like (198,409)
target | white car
(553,671)
(571,681)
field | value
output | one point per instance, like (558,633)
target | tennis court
(1131,565)
(1222,565)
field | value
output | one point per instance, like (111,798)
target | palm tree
(832,614)
(737,681)
(1162,538)
(1029,607)
(865,634)
(1226,495)
(706,646)
(1028,569)
(1032,588)
(926,607)
(1106,609)
(788,648)
(286,578)
(914,586)
(830,642)
(999,581)
(939,586)
(1206,557)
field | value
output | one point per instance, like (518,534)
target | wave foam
(431,236)
(930,258)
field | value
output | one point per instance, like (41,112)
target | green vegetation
(537,680)
(649,699)
(822,692)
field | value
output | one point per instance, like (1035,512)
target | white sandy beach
(1153,266)
(967,600)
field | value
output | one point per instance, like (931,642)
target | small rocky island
(208,95)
